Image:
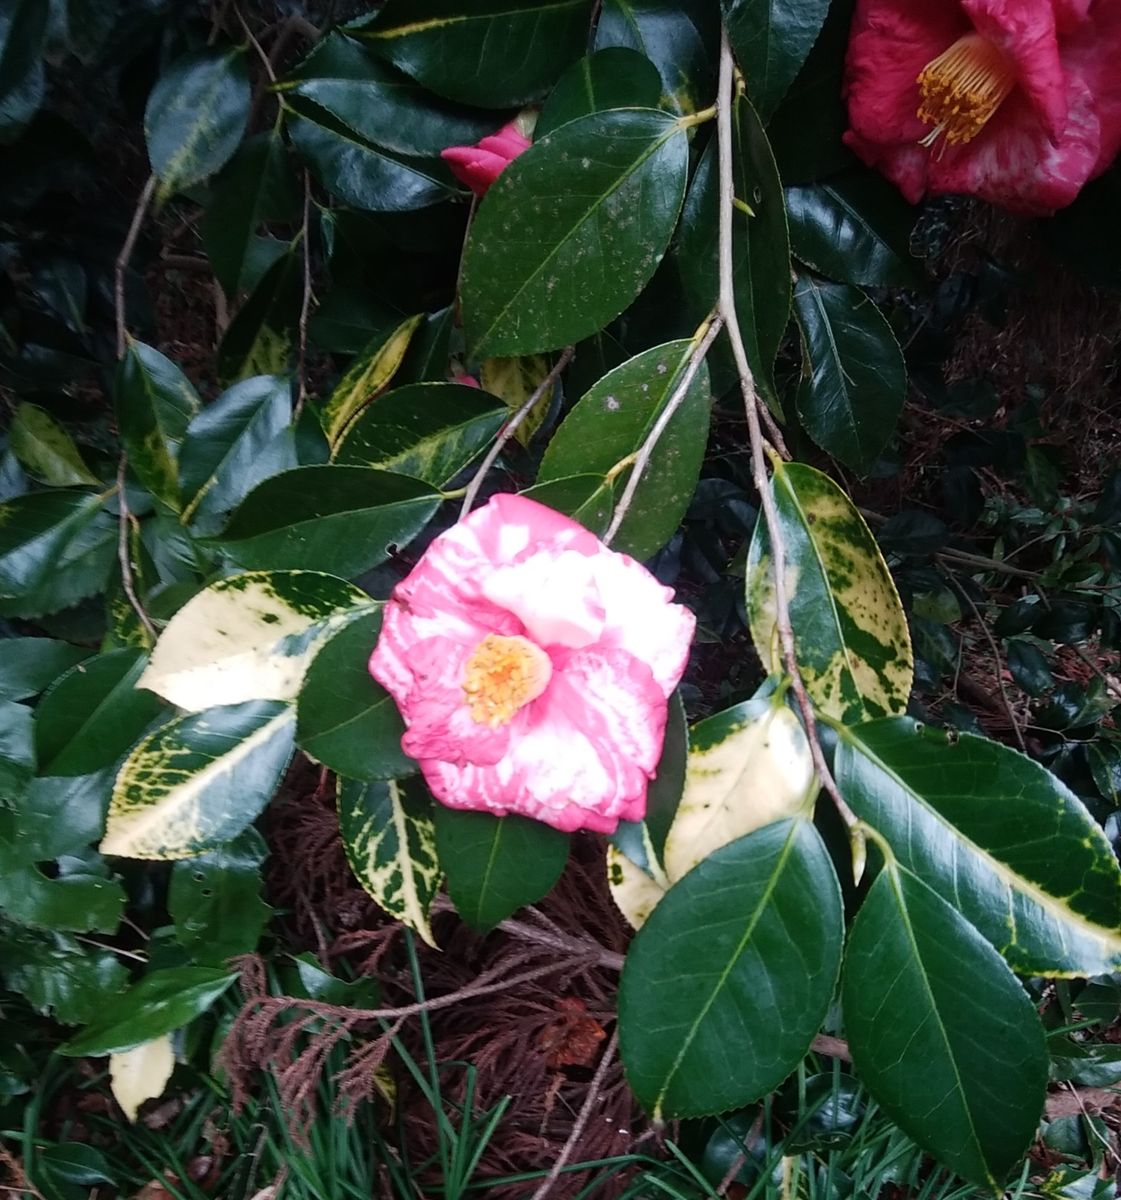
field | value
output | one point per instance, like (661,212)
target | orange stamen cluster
(962,88)
(502,676)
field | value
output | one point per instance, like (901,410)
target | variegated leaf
(636,894)
(850,632)
(514,380)
(249,637)
(198,781)
(370,373)
(390,843)
(141,1073)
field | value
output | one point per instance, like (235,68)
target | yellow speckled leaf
(141,1073)
(249,637)
(748,766)
(370,373)
(514,380)
(635,893)
(198,781)
(850,631)
(390,842)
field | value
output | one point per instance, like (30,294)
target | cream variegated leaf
(514,380)
(249,637)
(850,631)
(141,1073)
(198,781)
(636,894)
(390,842)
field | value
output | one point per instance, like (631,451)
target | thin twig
(125,256)
(305,304)
(1109,680)
(591,1099)
(570,945)
(124,554)
(998,661)
(256,45)
(752,405)
(642,459)
(511,427)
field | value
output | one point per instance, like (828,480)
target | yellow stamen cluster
(502,676)
(962,88)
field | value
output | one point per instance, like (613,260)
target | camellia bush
(485,273)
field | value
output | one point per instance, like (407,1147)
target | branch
(124,555)
(511,427)
(642,459)
(753,404)
(125,256)
(305,303)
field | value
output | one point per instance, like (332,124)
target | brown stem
(124,555)
(305,303)
(123,260)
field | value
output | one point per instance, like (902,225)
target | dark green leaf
(589,499)
(380,104)
(46,450)
(496,865)
(58,976)
(215,900)
(751,933)
(854,383)
(94,714)
(611,422)
(545,266)
(1028,667)
(257,186)
(360,174)
(428,430)
(994,834)
(680,37)
(17,748)
(488,53)
(155,403)
(61,815)
(612,78)
(28,664)
(79,896)
(258,339)
(854,228)
(232,445)
(341,520)
(161,1002)
(344,719)
(195,117)
(771,40)
(23,31)
(941,1032)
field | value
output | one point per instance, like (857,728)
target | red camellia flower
(532,666)
(1015,101)
(480,165)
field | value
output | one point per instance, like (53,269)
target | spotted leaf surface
(198,781)
(249,637)
(996,835)
(850,631)
(390,843)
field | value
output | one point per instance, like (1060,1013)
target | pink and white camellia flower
(532,666)
(1015,101)
(480,165)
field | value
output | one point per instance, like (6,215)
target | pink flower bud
(480,165)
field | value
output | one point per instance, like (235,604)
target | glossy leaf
(23,30)
(589,499)
(17,748)
(46,450)
(161,1002)
(496,865)
(680,37)
(93,714)
(771,40)
(155,403)
(141,1074)
(850,632)
(996,835)
(232,445)
(249,637)
(338,519)
(57,975)
(855,381)
(198,781)
(611,422)
(369,374)
(256,187)
(428,430)
(635,891)
(941,1032)
(487,53)
(514,380)
(195,117)
(381,104)
(545,266)
(754,930)
(344,718)
(258,340)
(215,900)
(390,843)
(855,228)
(28,664)
(359,173)
(613,78)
